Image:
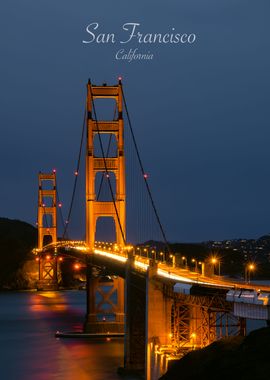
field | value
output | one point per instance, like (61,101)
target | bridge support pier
(148,322)
(134,355)
(48,273)
(158,324)
(105,304)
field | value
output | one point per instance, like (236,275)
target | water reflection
(29,350)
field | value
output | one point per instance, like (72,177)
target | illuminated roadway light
(81,248)
(176,277)
(54,171)
(145,176)
(59,204)
(141,265)
(111,255)
(76,173)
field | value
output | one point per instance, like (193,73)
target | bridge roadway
(116,260)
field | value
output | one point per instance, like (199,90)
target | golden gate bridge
(162,308)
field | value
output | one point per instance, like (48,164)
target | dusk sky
(200,111)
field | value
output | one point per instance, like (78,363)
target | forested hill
(17,239)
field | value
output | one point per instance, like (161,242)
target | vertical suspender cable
(76,175)
(143,173)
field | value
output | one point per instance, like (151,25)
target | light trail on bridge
(141,263)
(165,273)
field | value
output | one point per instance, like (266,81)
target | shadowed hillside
(234,358)
(16,242)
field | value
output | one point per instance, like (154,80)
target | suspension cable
(106,168)
(143,172)
(76,174)
(59,204)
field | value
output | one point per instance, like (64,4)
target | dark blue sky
(201,112)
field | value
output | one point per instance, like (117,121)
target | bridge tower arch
(47,230)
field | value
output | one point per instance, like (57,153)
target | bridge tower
(47,230)
(112,294)
(106,165)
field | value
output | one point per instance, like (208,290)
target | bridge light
(48,257)
(76,173)
(60,204)
(119,78)
(60,258)
(37,258)
(76,266)
(54,171)
(145,176)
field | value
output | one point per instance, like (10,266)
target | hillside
(17,239)
(232,358)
